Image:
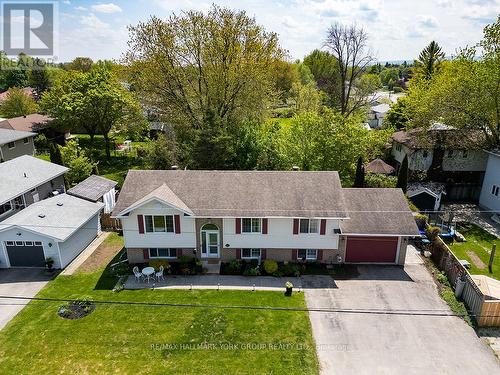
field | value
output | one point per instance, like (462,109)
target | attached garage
(25,253)
(371,249)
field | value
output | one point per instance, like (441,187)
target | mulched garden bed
(76,309)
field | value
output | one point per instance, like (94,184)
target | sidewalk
(83,256)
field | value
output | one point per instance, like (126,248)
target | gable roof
(22,174)
(442,135)
(57,217)
(237,193)
(26,90)
(381,108)
(9,135)
(378,211)
(92,188)
(26,123)
(379,166)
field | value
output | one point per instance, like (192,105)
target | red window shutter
(264,226)
(322,228)
(295,226)
(238,253)
(238,225)
(179,253)
(294,254)
(145,252)
(177,224)
(320,254)
(263,254)
(140,222)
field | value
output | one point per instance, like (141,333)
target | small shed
(426,195)
(380,167)
(96,189)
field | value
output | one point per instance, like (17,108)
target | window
(4,208)
(495,189)
(251,225)
(28,243)
(250,253)
(307,254)
(162,253)
(464,154)
(450,153)
(159,223)
(38,243)
(19,243)
(18,202)
(425,153)
(309,225)
(398,147)
(11,145)
(26,141)
(9,243)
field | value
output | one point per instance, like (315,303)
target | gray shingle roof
(20,175)
(378,211)
(62,215)
(241,193)
(27,123)
(9,135)
(92,188)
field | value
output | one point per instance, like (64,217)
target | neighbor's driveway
(352,343)
(24,282)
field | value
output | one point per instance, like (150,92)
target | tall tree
(39,78)
(359,180)
(204,71)
(81,64)
(429,60)
(18,103)
(403,175)
(55,154)
(348,44)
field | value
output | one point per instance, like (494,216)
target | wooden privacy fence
(486,310)
(109,223)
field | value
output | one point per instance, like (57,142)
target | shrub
(270,266)
(252,271)
(441,277)
(41,143)
(141,151)
(288,269)
(157,263)
(234,267)
(380,181)
(432,232)
(421,220)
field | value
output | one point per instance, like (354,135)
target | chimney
(174,167)
(295,168)
(25,176)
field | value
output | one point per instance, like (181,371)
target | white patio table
(148,272)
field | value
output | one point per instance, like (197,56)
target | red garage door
(371,249)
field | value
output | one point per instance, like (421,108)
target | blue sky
(398,29)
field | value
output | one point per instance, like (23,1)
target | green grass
(480,242)
(124,339)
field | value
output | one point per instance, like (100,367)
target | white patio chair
(138,275)
(159,274)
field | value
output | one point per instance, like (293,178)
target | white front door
(210,244)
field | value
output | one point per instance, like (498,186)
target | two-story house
(25,180)
(282,215)
(490,192)
(14,143)
(446,155)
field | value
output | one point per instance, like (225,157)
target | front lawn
(141,339)
(477,250)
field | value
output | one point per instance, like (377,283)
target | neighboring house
(447,155)
(25,180)
(286,216)
(36,123)
(490,192)
(426,196)
(27,91)
(378,166)
(377,114)
(96,189)
(60,228)
(14,143)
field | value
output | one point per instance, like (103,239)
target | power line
(403,312)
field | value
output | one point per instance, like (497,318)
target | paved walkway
(228,282)
(78,261)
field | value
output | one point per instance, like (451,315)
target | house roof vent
(295,168)
(60,204)
(41,216)
(174,167)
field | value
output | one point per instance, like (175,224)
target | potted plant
(49,263)
(289,288)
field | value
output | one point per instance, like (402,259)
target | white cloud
(80,8)
(106,8)
(67,2)
(445,3)
(93,22)
(427,21)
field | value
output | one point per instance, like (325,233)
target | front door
(210,244)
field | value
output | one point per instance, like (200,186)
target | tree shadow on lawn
(108,278)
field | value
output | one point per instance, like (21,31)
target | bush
(157,263)
(441,277)
(252,271)
(234,267)
(380,181)
(270,266)
(141,151)
(41,143)
(421,221)
(432,232)
(288,269)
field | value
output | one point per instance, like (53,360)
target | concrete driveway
(367,343)
(24,282)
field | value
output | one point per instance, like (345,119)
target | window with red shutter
(295,226)
(177,224)
(264,226)
(140,223)
(322,229)
(238,253)
(238,225)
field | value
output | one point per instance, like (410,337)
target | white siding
(133,239)
(78,241)
(11,235)
(491,177)
(280,236)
